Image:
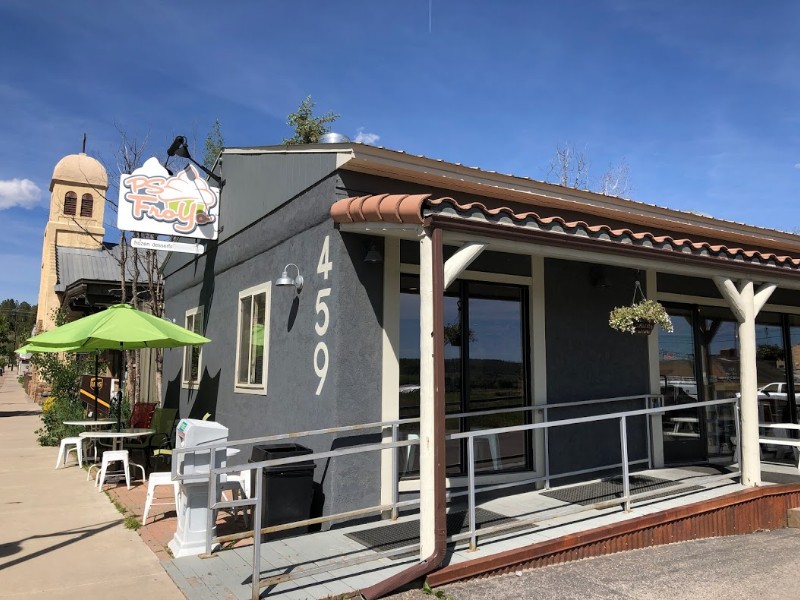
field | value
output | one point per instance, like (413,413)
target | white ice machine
(192,509)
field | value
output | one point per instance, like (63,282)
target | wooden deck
(226,575)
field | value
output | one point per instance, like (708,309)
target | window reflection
(485,357)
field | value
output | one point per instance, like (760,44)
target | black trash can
(287,490)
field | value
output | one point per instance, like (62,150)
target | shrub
(62,374)
(56,410)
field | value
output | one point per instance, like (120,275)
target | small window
(70,203)
(87,203)
(252,340)
(192,355)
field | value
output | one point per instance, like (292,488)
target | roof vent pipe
(333,138)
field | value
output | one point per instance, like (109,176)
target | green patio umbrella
(33,349)
(119,327)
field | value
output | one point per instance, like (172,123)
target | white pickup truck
(778,391)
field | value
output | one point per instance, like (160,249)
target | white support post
(745,304)
(463,257)
(427,501)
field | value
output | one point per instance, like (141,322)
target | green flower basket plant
(640,317)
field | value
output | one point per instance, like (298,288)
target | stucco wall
(294,233)
(587,360)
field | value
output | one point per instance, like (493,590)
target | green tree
(769,352)
(308,128)
(61,372)
(214,145)
(16,324)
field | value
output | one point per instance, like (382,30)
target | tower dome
(82,170)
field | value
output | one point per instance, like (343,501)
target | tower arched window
(70,203)
(87,204)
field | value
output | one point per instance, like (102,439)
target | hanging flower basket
(640,318)
(643,327)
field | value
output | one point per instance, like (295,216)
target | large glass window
(773,399)
(253,340)
(192,354)
(706,342)
(485,370)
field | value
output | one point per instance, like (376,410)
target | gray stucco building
(518,278)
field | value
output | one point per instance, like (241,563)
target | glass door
(682,429)
(496,373)
(485,370)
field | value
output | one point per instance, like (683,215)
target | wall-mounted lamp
(373,255)
(284,279)
(180,148)
(598,277)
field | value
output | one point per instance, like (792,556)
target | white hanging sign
(167,246)
(153,201)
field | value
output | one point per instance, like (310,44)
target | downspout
(431,275)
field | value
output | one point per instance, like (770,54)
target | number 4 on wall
(324,266)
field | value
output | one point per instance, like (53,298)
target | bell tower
(77,204)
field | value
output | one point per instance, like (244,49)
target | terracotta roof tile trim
(382,208)
(414,209)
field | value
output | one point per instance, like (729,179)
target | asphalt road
(762,566)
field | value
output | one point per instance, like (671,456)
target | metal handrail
(256,500)
(295,435)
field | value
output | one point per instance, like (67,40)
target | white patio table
(117,437)
(91,425)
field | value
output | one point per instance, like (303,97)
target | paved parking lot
(760,565)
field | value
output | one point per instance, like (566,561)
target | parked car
(778,391)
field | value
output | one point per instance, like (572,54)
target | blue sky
(701,99)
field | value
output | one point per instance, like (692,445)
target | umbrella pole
(96,385)
(119,393)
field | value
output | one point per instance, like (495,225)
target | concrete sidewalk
(59,538)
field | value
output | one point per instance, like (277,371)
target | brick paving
(162,520)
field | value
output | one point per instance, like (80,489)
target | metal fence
(539,414)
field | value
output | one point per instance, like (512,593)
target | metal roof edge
(397,164)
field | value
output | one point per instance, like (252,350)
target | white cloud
(797,165)
(19,192)
(365,138)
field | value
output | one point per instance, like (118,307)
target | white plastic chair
(159,479)
(63,451)
(411,452)
(491,440)
(238,484)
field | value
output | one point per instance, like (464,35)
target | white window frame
(245,388)
(186,382)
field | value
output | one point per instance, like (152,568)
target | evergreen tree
(307,127)
(214,144)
